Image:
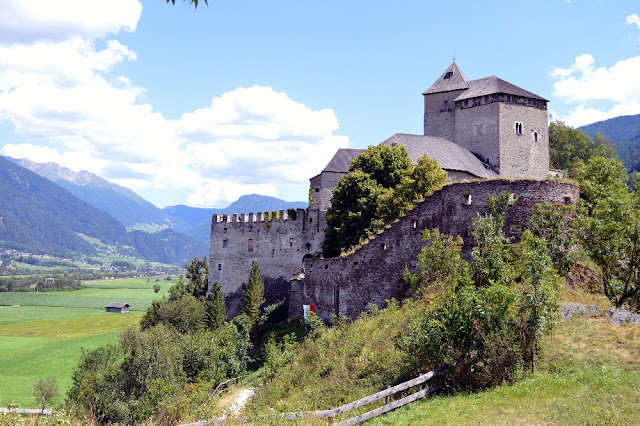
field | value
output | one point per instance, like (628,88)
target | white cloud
(58,92)
(600,93)
(633,19)
(55,20)
(61,97)
(212,191)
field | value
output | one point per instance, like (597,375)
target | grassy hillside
(589,373)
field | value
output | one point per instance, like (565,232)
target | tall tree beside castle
(253,297)
(197,275)
(215,307)
(382,184)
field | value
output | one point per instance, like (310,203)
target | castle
(484,133)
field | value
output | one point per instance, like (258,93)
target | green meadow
(44,334)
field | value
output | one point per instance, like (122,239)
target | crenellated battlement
(260,217)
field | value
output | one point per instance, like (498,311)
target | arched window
(535,136)
(518,128)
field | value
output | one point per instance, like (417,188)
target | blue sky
(201,106)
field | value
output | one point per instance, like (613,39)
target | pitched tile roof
(450,156)
(492,85)
(342,159)
(454,79)
(451,79)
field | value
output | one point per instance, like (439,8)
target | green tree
(609,229)
(440,264)
(386,165)
(215,307)
(253,297)
(197,276)
(381,186)
(538,301)
(491,256)
(553,224)
(601,177)
(184,315)
(45,391)
(567,146)
(353,212)
(418,182)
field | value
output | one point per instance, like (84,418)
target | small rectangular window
(224,230)
(225,243)
(219,266)
(486,99)
(250,244)
(445,105)
(466,102)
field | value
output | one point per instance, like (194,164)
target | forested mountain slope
(38,215)
(121,203)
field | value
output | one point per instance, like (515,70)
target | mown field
(43,334)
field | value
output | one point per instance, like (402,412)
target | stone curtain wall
(278,245)
(373,273)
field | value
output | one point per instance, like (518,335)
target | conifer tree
(215,307)
(253,297)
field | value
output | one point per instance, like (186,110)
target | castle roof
(451,79)
(492,85)
(342,159)
(450,156)
(454,79)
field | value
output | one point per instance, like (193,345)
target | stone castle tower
(506,126)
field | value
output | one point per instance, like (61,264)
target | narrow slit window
(219,266)
(250,244)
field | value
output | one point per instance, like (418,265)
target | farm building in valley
(117,307)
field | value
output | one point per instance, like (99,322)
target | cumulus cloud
(633,19)
(38,20)
(58,92)
(598,93)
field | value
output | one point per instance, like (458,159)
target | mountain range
(46,206)
(40,216)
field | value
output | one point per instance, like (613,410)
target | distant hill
(624,132)
(619,129)
(200,219)
(190,216)
(40,216)
(121,203)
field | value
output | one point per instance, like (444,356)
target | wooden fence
(420,393)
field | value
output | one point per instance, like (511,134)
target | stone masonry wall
(373,273)
(278,245)
(477,130)
(521,155)
(437,120)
